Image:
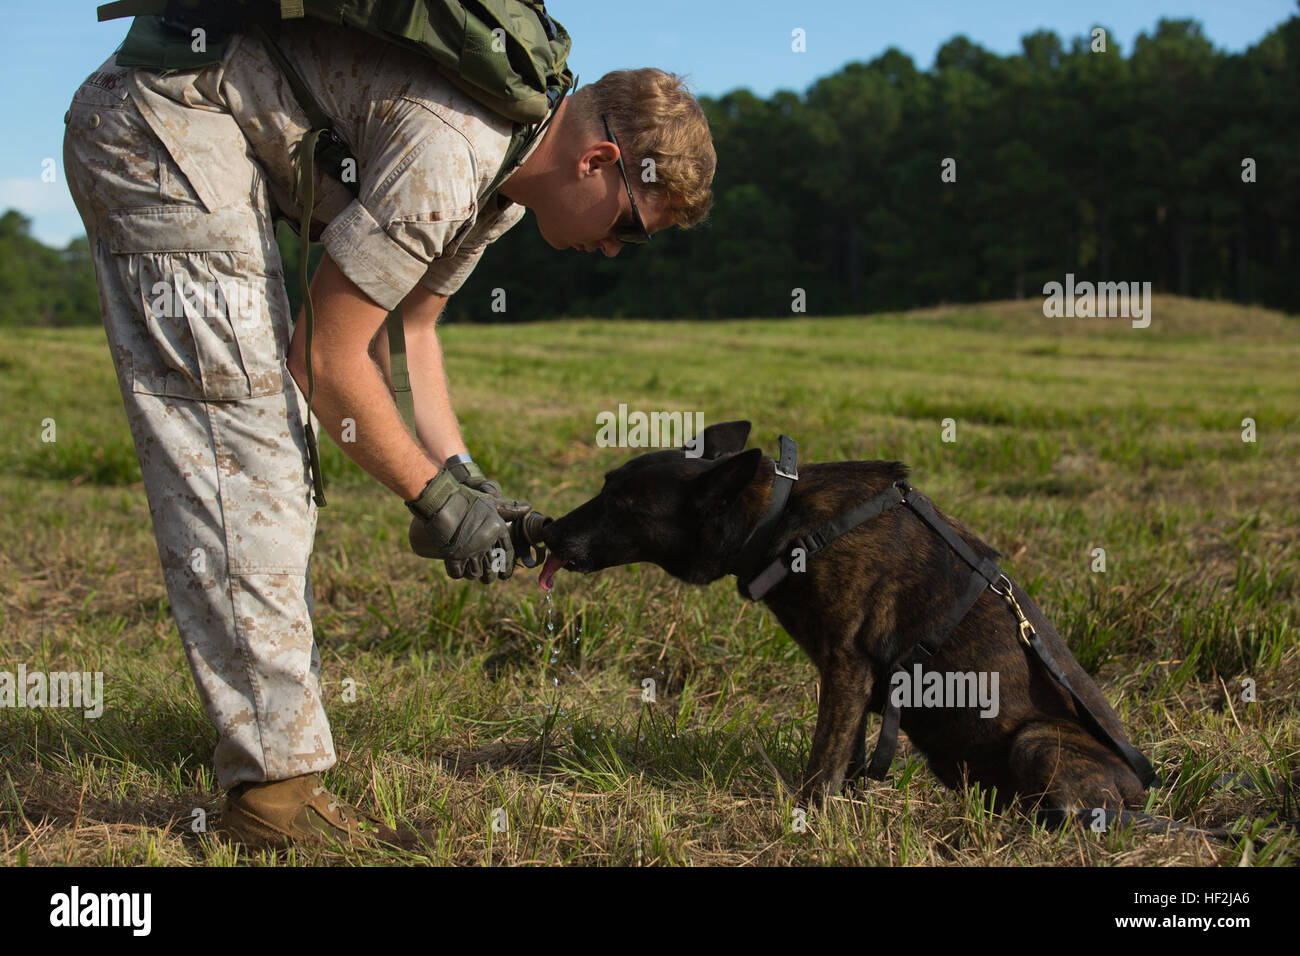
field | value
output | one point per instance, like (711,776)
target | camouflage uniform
(179,179)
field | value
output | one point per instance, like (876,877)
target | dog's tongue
(552,565)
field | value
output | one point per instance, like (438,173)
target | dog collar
(751,554)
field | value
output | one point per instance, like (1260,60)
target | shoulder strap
(397,369)
(304,190)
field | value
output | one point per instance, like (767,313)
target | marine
(180,176)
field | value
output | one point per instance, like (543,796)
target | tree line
(885,186)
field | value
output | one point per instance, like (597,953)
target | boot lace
(332,805)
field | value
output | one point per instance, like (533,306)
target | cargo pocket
(211,317)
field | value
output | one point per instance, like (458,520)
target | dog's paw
(855,782)
(814,794)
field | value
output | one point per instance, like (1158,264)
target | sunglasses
(633,230)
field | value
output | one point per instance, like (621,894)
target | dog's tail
(1103,818)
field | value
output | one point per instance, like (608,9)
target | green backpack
(508,55)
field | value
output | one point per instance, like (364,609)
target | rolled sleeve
(380,267)
(417,202)
(446,276)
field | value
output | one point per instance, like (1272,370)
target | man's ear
(724,438)
(716,488)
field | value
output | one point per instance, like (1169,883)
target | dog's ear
(724,438)
(721,484)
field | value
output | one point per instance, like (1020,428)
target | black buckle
(332,151)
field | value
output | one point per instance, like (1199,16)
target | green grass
(1071,436)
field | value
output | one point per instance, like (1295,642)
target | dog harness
(985,575)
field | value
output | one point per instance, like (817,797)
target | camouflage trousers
(192,295)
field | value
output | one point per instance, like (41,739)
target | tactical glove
(461,526)
(464,470)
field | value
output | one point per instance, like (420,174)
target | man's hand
(471,476)
(461,526)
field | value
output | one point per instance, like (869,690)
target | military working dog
(856,609)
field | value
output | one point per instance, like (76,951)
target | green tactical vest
(508,55)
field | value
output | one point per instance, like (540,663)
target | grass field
(1071,435)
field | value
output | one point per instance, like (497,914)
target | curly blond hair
(654,116)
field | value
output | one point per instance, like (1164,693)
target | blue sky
(50,47)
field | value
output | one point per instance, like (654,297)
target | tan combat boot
(301,811)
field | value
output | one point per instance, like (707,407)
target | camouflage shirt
(424,151)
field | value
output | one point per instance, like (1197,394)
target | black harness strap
(985,575)
(779,569)
(924,509)
(758,541)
